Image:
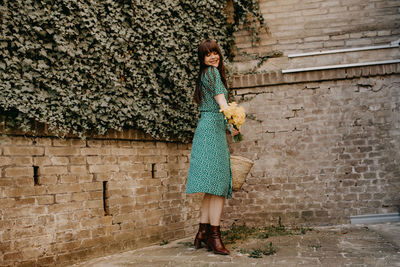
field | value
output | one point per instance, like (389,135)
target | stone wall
(297,26)
(65,200)
(325,142)
(326,145)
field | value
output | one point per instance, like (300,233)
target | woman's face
(212,59)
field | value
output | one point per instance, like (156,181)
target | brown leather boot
(215,242)
(202,234)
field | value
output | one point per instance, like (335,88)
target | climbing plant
(91,66)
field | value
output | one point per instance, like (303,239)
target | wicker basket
(240,169)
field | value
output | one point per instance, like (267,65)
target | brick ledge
(278,78)
(42,130)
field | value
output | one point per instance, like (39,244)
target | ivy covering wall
(90,66)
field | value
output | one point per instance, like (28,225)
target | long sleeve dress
(210,165)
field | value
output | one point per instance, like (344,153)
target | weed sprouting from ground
(255,253)
(303,230)
(258,252)
(243,232)
(243,251)
(240,233)
(164,242)
(270,250)
(262,234)
(316,246)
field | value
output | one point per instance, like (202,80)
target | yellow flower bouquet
(235,116)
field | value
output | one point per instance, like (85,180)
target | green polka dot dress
(210,165)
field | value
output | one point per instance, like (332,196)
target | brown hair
(206,47)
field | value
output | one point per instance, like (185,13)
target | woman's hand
(234,131)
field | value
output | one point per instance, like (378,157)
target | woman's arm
(221,101)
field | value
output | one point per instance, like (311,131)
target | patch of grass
(270,250)
(303,230)
(238,233)
(241,232)
(164,242)
(262,234)
(276,230)
(258,252)
(315,246)
(243,251)
(255,253)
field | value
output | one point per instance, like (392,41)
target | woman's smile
(212,59)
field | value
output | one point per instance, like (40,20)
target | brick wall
(297,26)
(325,144)
(64,200)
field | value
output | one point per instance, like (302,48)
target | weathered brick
(53,170)
(94,160)
(95,195)
(18,171)
(89,151)
(85,178)
(63,198)
(24,181)
(45,200)
(61,142)
(94,143)
(123,151)
(59,160)
(103,168)
(78,160)
(31,253)
(46,180)
(13,256)
(21,140)
(5,161)
(44,261)
(67,179)
(110,160)
(22,212)
(78,169)
(20,161)
(80,196)
(7,202)
(23,150)
(63,188)
(92,186)
(64,207)
(61,151)
(42,161)
(78,142)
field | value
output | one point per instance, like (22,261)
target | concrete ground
(342,245)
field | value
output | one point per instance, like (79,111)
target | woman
(210,166)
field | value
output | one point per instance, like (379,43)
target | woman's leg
(216,204)
(204,209)
(204,226)
(214,238)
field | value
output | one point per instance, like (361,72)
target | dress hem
(226,196)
